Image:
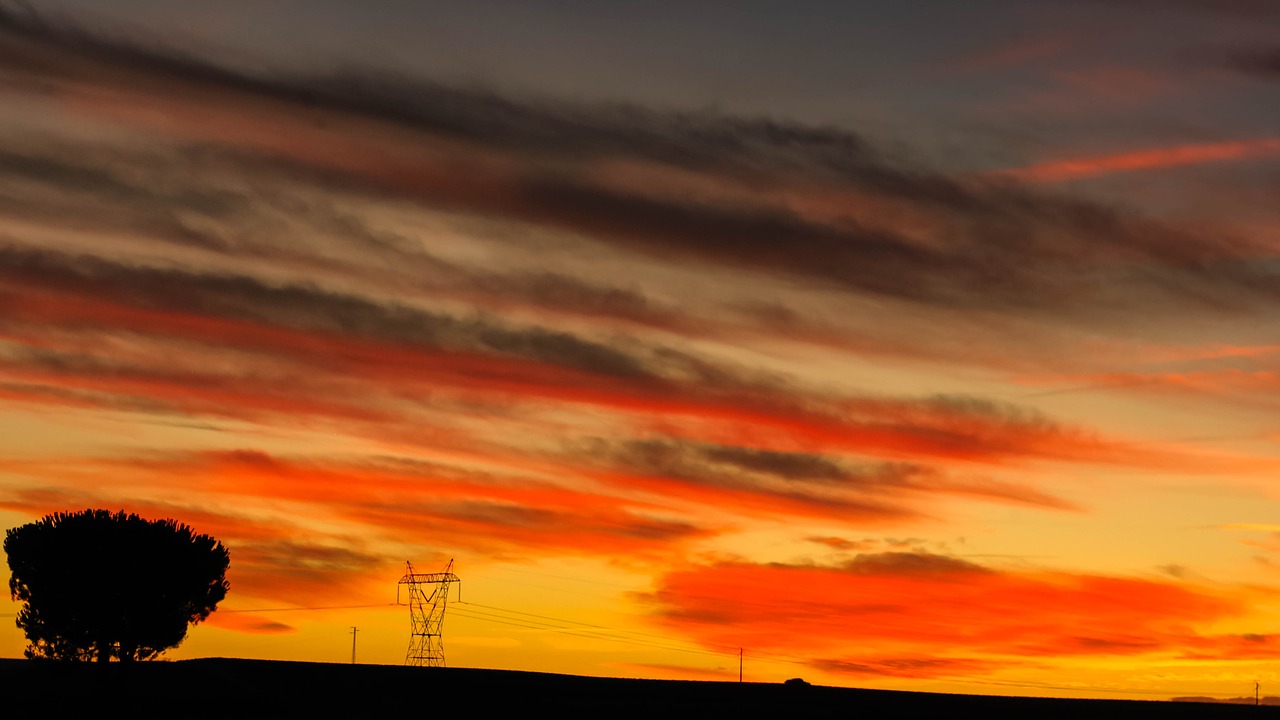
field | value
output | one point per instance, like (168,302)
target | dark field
(236,689)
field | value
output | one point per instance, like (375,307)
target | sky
(927,346)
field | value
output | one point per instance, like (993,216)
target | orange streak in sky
(1143,160)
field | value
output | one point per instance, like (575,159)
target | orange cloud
(409,502)
(891,613)
(1098,165)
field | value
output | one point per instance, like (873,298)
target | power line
(600,633)
(312,607)
(536,621)
(574,622)
(729,650)
(547,622)
(1090,688)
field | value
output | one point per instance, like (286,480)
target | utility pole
(353,644)
(739,666)
(1255,692)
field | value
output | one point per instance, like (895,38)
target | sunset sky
(926,345)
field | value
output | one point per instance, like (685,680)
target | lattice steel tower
(426,613)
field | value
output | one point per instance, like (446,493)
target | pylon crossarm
(428,578)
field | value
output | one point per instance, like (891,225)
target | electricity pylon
(426,613)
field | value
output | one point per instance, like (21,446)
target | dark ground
(240,689)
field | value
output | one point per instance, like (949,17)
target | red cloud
(1075,169)
(918,614)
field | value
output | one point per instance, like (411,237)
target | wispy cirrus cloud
(341,262)
(827,485)
(330,344)
(431,318)
(532,162)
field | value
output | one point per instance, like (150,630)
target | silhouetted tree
(99,585)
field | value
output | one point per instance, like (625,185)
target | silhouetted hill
(240,689)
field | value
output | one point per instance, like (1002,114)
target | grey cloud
(1001,246)
(554,523)
(65,186)
(721,467)
(910,563)
(1238,8)
(781,464)
(721,464)
(1261,62)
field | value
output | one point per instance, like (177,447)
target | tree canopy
(98,585)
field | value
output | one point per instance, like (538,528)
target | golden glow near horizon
(666,385)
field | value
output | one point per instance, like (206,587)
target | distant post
(353,644)
(739,666)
